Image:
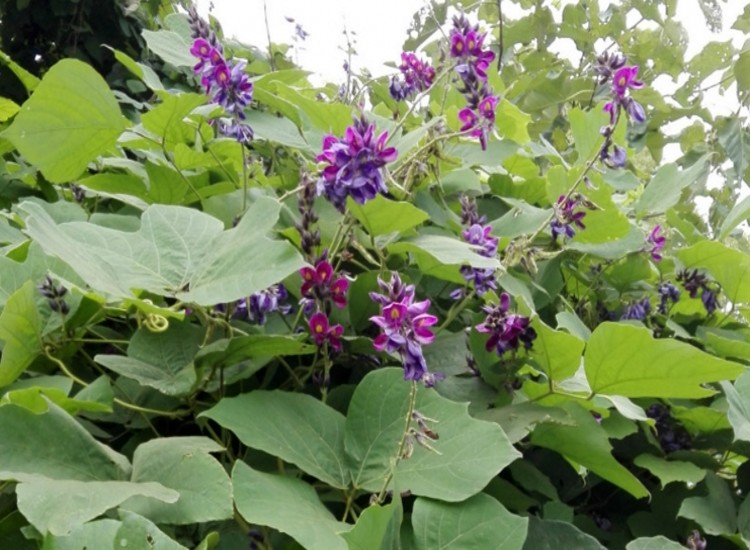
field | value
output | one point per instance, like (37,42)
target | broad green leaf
(664,189)
(738,398)
(377,528)
(288,505)
(381,216)
(170,46)
(295,427)
(184,465)
(135,530)
(446,250)
(573,324)
(587,444)
(230,351)
(557,353)
(557,535)
(479,522)
(55,446)
(715,512)
(740,212)
(669,471)
(585,129)
(522,219)
(742,73)
(730,267)
(472,451)
(8,108)
(519,420)
(20,331)
(626,360)
(279,130)
(728,343)
(177,252)
(94,534)
(71,119)
(145,73)
(733,138)
(654,543)
(166,119)
(161,360)
(59,506)
(37,399)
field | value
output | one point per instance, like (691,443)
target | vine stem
(402,443)
(133,407)
(455,310)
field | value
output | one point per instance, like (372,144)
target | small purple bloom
(667,293)
(637,311)
(405,326)
(693,282)
(607,64)
(655,243)
(507,331)
(354,164)
(482,279)
(320,283)
(323,332)
(567,216)
(625,80)
(417,75)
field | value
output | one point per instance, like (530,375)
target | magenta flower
(416,76)
(567,216)
(625,80)
(507,331)
(655,243)
(354,164)
(323,332)
(483,280)
(405,326)
(320,283)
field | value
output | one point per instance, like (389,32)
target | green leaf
(377,528)
(135,530)
(20,330)
(296,427)
(446,250)
(472,451)
(738,398)
(730,267)
(8,108)
(230,351)
(37,399)
(280,130)
(94,534)
(170,46)
(587,444)
(654,543)
(166,120)
(381,216)
(145,73)
(161,360)
(184,465)
(479,522)
(739,213)
(557,535)
(669,471)
(55,446)
(519,420)
(512,122)
(59,506)
(626,360)
(557,353)
(178,252)
(71,119)
(288,505)
(585,129)
(716,512)
(29,81)
(521,219)
(664,189)
(742,74)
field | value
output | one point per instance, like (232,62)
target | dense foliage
(487,301)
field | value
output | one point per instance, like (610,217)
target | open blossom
(321,283)
(655,243)
(416,75)
(226,82)
(667,293)
(695,282)
(623,81)
(354,164)
(322,331)
(567,216)
(507,331)
(607,64)
(404,326)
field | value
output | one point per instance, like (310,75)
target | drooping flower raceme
(567,215)
(693,282)
(264,302)
(416,76)
(467,47)
(655,243)
(507,331)
(667,293)
(483,279)
(637,311)
(225,81)
(404,326)
(354,164)
(322,285)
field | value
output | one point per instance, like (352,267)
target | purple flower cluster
(612,67)
(258,305)
(225,81)
(308,233)
(354,164)
(323,332)
(567,215)
(467,46)
(655,243)
(637,311)
(416,76)
(693,282)
(667,293)
(320,284)
(507,330)
(477,234)
(405,327)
